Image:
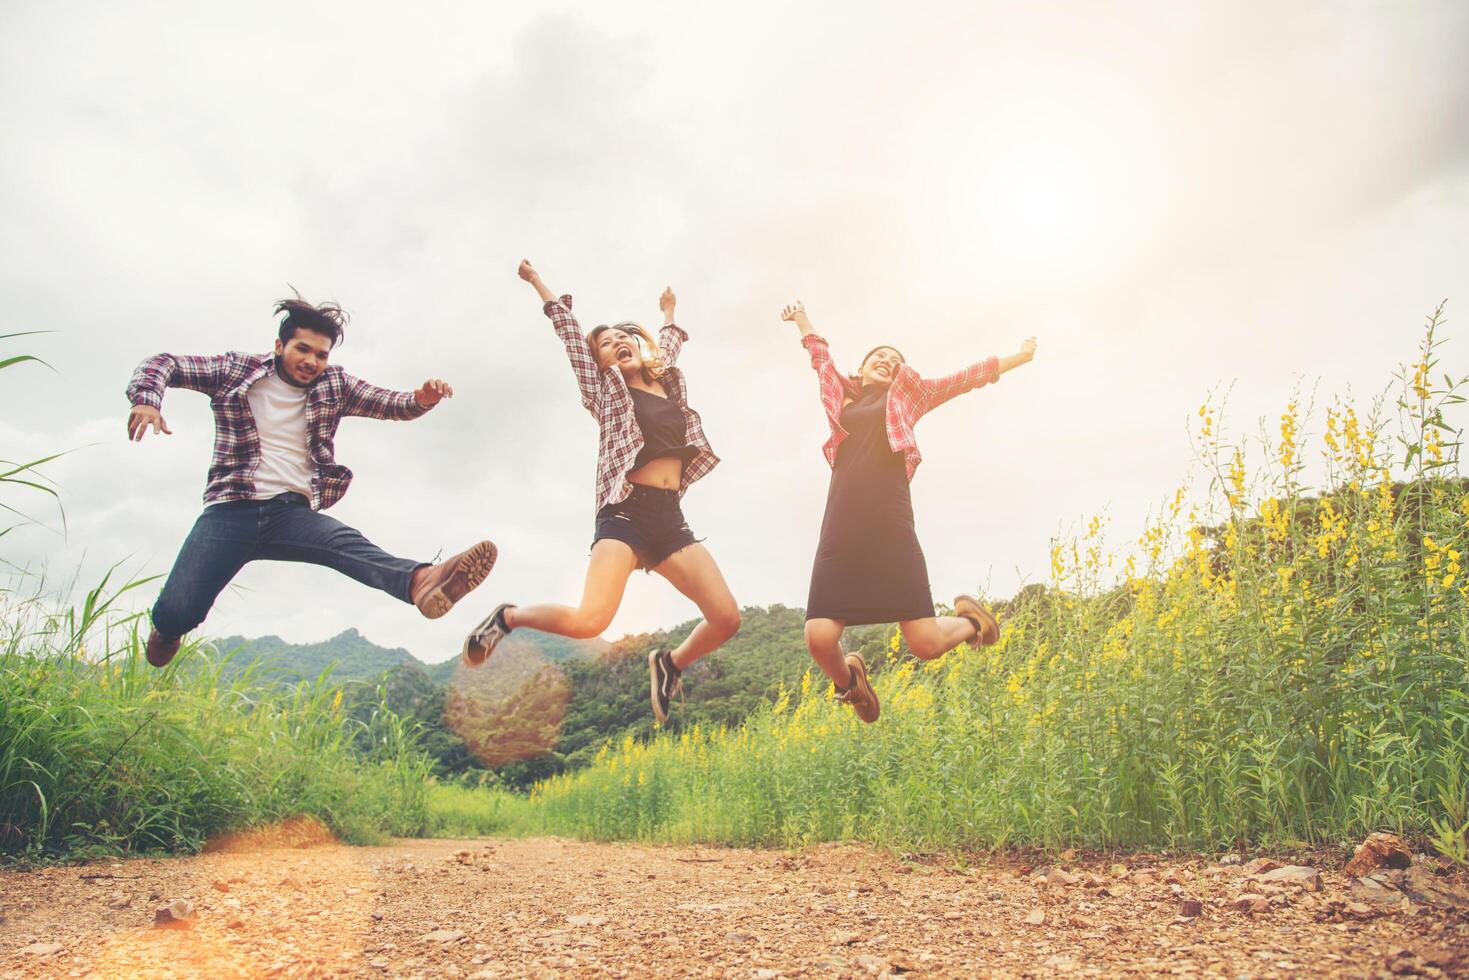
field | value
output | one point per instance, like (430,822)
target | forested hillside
(545,704)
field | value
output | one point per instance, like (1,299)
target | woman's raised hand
(529,274)
(666,303)
(796,313)
(1025,355)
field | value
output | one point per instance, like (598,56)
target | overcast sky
(1172,197)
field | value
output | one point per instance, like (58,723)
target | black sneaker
(663,681)
(479,644)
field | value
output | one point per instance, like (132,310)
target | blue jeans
(283,528)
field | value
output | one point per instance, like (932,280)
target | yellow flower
(1289,429)
(1333,528)
(1435,446)
(1237,479)
(1420,375)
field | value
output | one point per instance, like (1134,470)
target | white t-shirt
(280,419)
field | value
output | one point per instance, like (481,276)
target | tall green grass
(17,478)
(1272,663)
(460,810)
(99,750)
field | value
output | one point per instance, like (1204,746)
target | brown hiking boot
(452,579)
(860,695)
(986,625)
(161,648)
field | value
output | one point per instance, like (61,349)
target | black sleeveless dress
(869,567)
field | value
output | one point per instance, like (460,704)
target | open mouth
(624,352)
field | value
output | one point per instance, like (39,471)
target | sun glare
(1039,204)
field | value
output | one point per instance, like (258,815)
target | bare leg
(933,636)
(612,562)
(824,641)
(693,572)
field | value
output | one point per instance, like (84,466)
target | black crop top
(665,431)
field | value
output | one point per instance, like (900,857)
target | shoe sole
(859,677)
(662,716)
(473,568)
(653,688)
(475,654)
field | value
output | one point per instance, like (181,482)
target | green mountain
(548,646)
(545,704)
(351,656)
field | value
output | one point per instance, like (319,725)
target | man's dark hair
(328,319)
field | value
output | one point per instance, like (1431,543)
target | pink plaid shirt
(226,379)
(909,398)
(604,394)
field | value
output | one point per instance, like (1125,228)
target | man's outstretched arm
(163,371)
(370,401)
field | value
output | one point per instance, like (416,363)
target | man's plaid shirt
(604,394)
(226,379)
(909,398)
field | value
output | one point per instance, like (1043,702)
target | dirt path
(546,906)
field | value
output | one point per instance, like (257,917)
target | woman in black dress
(869,567)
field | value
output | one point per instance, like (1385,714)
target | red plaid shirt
(604,394)
(909,398)
(226,379)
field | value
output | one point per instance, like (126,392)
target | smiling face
(302,358)
(880,367)
(616,346)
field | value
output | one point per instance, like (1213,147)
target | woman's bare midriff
(663,474)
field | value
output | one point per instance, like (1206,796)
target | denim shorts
(649,521)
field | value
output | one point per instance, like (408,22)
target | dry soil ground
(540,907)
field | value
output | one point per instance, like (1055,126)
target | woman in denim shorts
(652,447)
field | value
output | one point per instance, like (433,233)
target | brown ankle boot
(986,625)
(454,578)
(161,649)
(860,695)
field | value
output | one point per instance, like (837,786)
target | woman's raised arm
(583,364)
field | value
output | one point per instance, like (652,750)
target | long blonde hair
(653,367)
